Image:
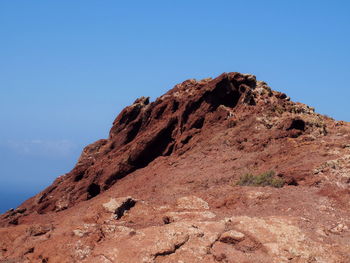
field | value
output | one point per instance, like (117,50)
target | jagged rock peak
(170,125)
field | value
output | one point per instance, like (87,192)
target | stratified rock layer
(163,186)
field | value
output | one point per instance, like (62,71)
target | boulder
(118,206)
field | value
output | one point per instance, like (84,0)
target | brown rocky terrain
(168,185)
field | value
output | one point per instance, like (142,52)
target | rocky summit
(216,170)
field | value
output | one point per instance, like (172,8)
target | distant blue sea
(12,199)
(24,175)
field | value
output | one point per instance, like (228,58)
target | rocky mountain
(217,170)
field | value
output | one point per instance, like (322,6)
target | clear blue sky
(68,67)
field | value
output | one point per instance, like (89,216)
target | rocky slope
(166,186)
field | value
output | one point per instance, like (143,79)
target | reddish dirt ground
(163,186)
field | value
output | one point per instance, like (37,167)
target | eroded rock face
(145,131)
(163,186)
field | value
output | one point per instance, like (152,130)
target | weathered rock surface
(163,186)
(119,206)
(232,237)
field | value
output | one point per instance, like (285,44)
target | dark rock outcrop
(145,131)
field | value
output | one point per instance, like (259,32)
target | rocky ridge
(163,186)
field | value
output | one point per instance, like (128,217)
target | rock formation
(217,170)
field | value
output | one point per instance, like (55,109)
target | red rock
(181,157)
